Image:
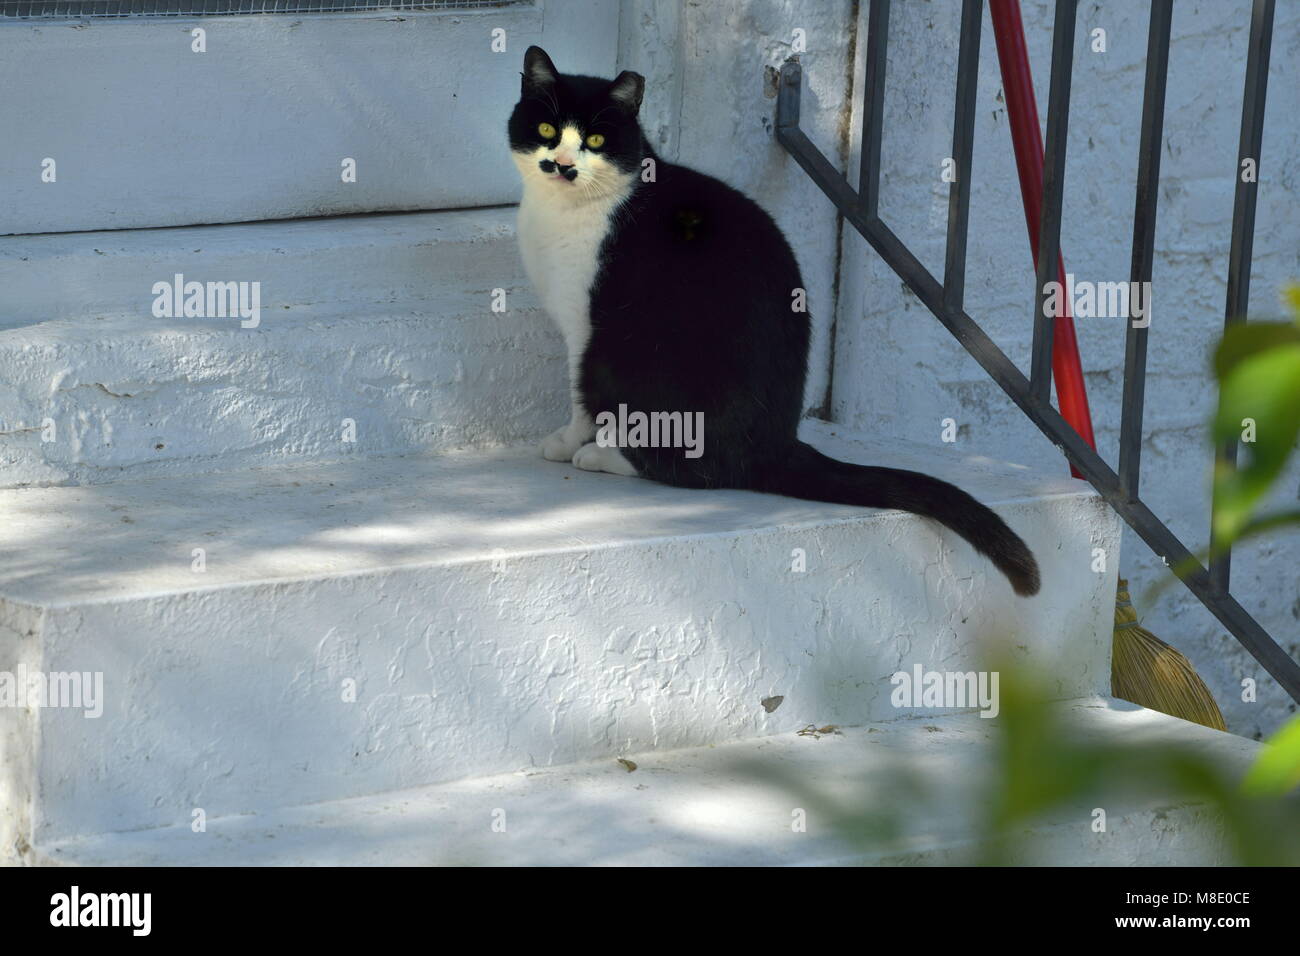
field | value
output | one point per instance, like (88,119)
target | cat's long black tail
(807,473)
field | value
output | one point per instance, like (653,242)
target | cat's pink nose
(564,159)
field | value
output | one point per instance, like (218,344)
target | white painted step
(733,804)
(495,612)
(386,321)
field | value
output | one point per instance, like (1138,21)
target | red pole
(1027,140)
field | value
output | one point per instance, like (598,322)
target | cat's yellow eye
(546,131)
(595,141)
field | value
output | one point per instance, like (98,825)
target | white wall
(146,131)
(898,372)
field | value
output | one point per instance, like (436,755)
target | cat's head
(577,136)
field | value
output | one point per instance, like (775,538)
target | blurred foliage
(1258,368)
(1044,771)
(1277,772)
(1044,765)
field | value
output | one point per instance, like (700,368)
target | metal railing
(1032,395)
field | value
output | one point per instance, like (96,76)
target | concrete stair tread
(68,545)
(378,624)
(730,804)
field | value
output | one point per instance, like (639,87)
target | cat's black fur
(691,311)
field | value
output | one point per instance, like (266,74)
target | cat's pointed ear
(627,90)
(538,68)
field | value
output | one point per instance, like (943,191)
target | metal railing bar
(1243,224)
(1144,236)
(873,106)
(1049,233)
(963,143)
(1012,381)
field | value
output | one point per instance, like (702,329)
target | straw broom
(1146,671)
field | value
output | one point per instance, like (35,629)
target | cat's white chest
(560,244)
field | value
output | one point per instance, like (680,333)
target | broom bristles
(1146,671)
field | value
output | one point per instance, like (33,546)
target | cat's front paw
(560,444)
(593,457)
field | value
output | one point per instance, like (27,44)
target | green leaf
(1276,772)
(1244,341)
(1265,388)
(1291,296)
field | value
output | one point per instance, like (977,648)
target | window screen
(92,9)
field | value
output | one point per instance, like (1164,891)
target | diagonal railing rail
(1032,395)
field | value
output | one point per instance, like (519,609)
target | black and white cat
(675,294)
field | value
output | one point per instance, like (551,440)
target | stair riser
(380,337)
(484,667)
(183,404)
